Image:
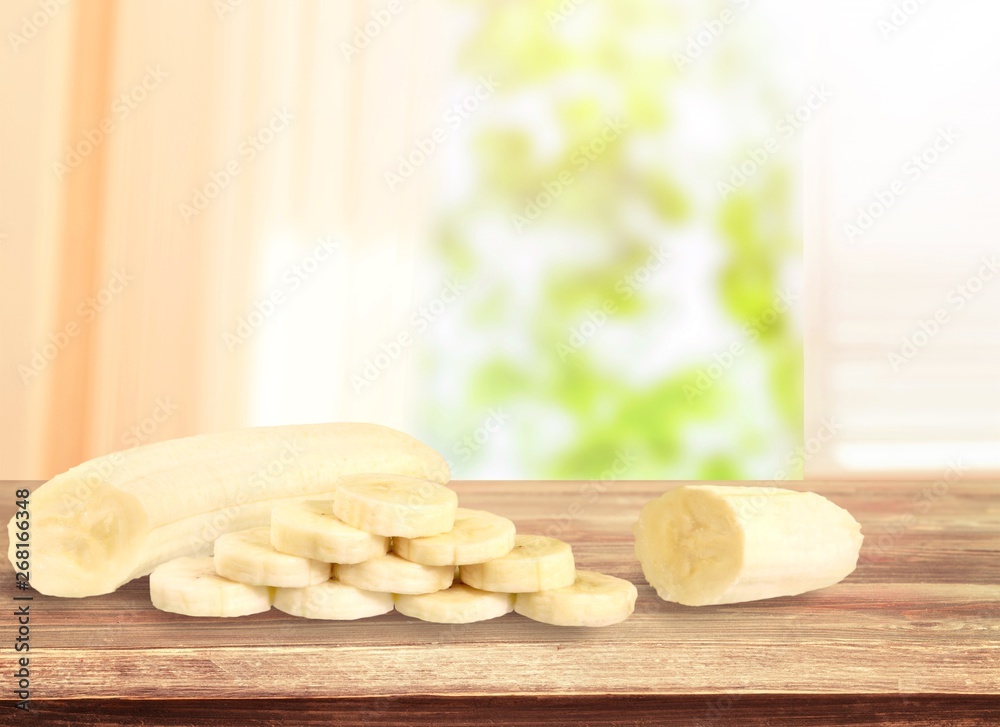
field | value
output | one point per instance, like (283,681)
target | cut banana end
(247,556)
(477,536)
(537,563)
(190,586)
(309,529)
(391,574)
(459,604)
(711,544)
(594,599)
(392,505)
(333,601)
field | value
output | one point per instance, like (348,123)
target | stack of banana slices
(385,542)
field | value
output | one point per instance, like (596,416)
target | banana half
(117,517)
(711,544)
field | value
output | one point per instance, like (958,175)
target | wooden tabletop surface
(911,637)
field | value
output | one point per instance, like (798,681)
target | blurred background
(553,238)
(902,241)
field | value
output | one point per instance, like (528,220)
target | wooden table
(911,637)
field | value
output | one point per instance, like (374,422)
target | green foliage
(577,412)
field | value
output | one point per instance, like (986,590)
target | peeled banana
(247,556)
(460,604)
(190,586)
(537,563)
(711,544)
(392,505)
(593,599)
(116,517)
(477,536)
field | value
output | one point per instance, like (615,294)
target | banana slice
(309,529)
(392,505)
(333,601)
(537,563)
(247,556)
(594,599)
(478,536)
(190,586)
(391,574)
(710,544)
(459,604)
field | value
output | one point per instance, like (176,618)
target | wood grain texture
(514,711)
(920,616)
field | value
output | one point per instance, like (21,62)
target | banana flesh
(594,599)
(283,509)
(333,601)
(391,505)
(190,586)
(537,563)
(476,537)
(391,574)
(309,529)
(460,604)
(117,517)
(247,556)
(713,544)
